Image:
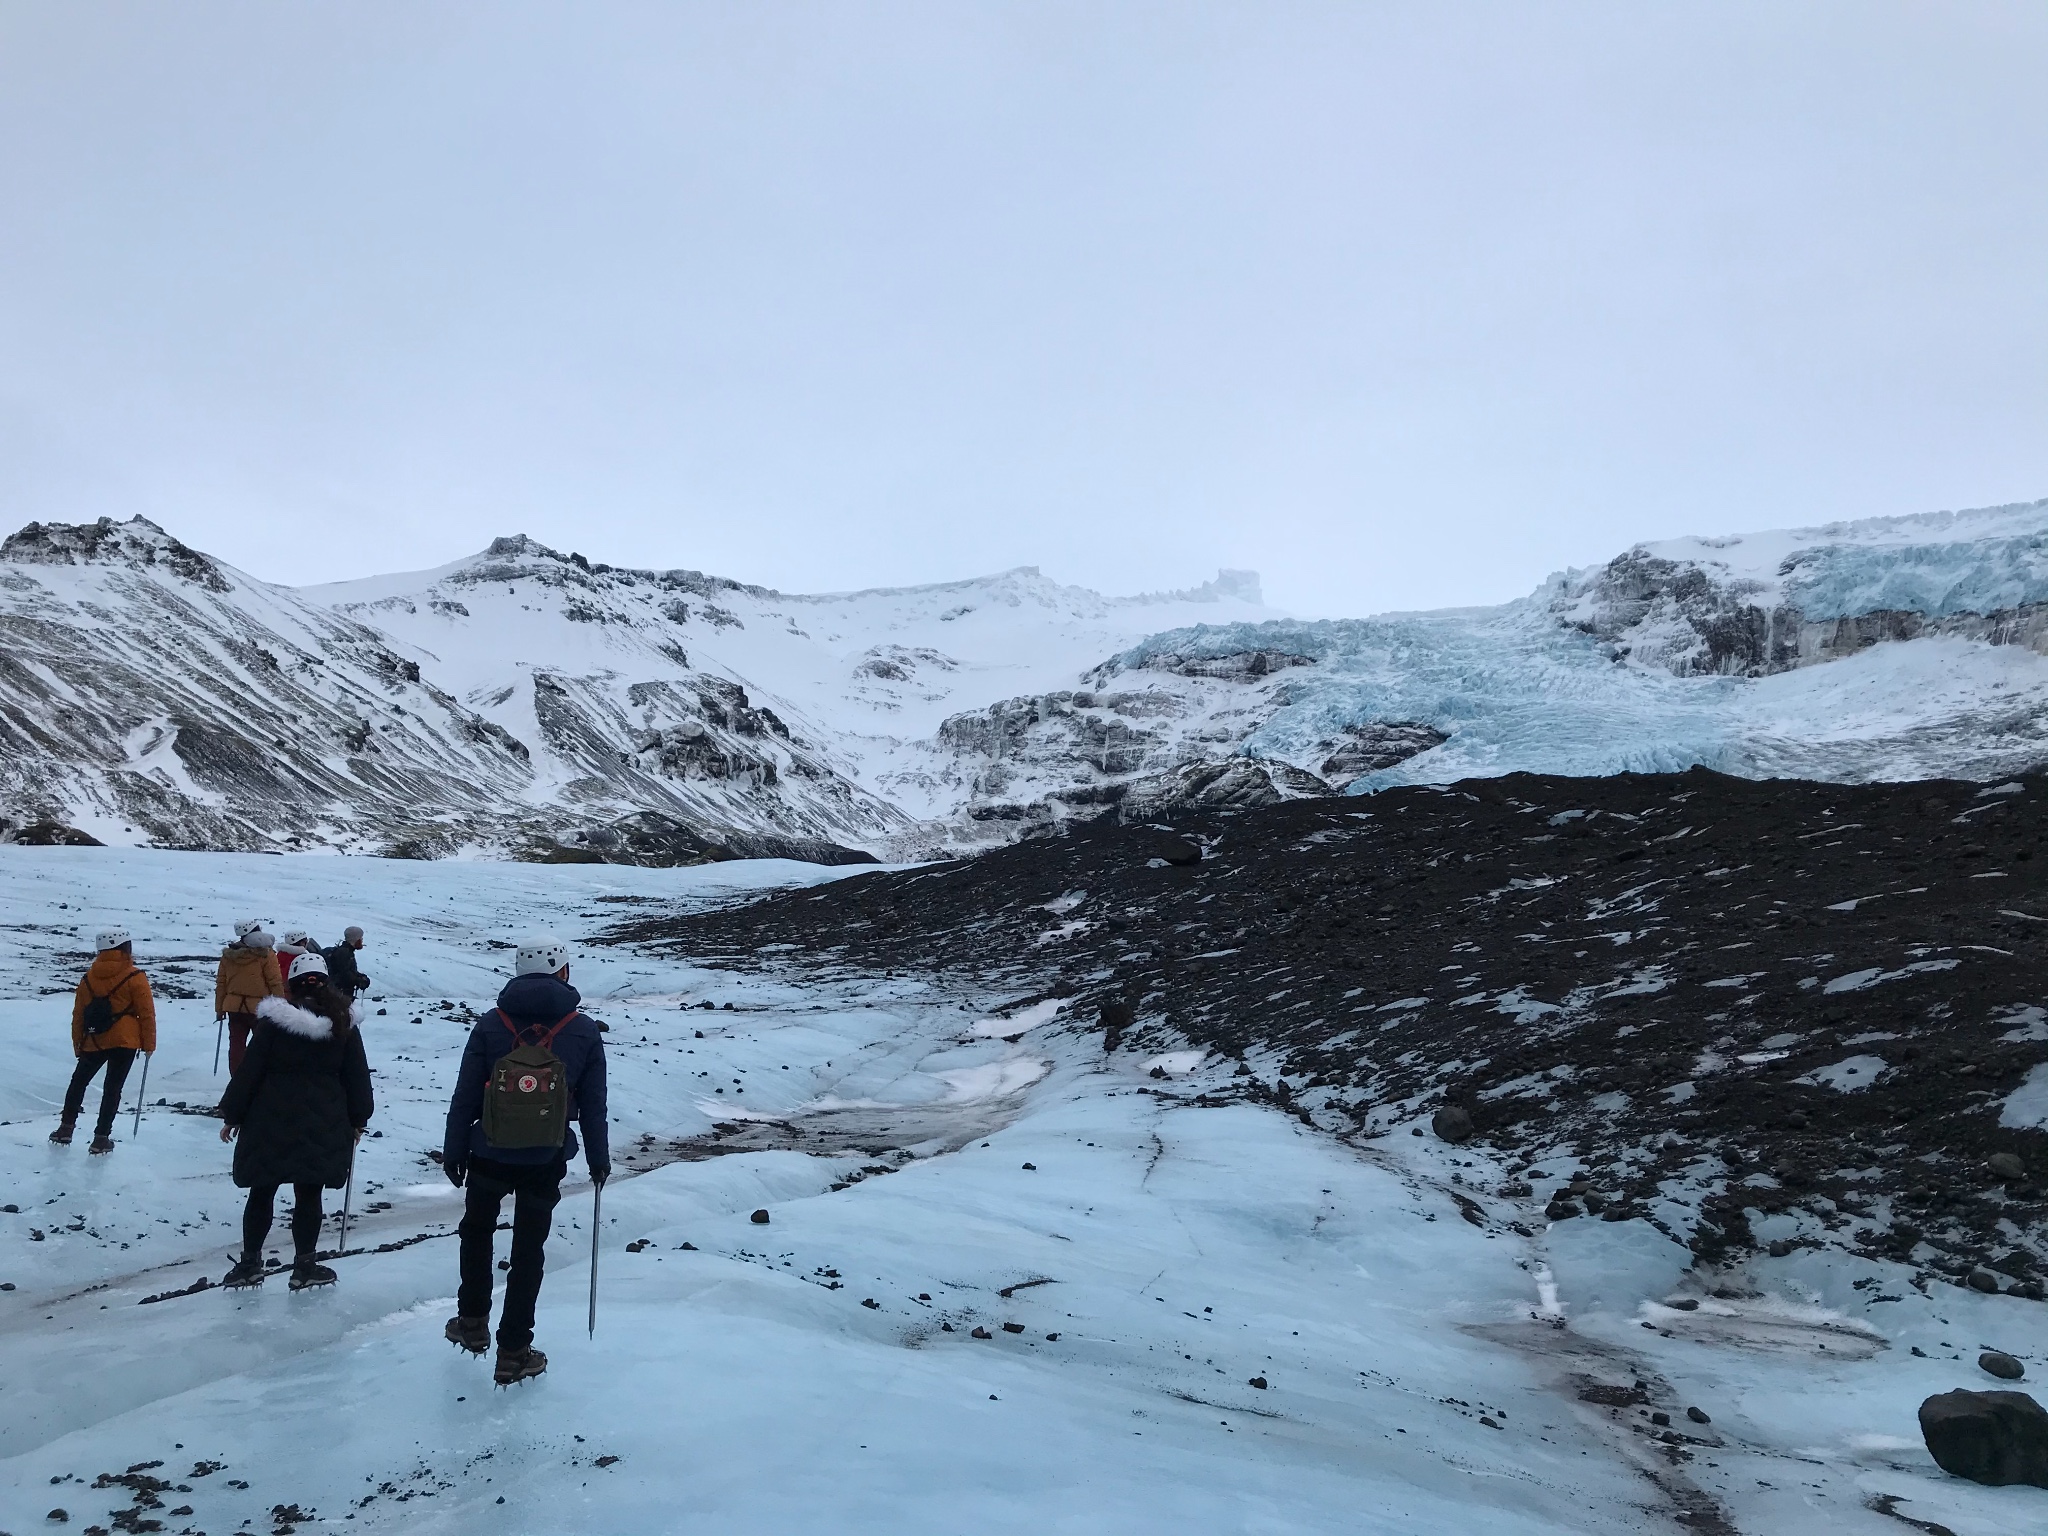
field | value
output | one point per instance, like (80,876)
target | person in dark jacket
(299,1102)
(538,1006)
(343,974)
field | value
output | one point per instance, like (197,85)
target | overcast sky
(1400,305)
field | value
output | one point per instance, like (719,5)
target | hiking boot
(62,1135)
(516,1365)
(247,1271)
(472,1333)
(306,1274)
(101,1145)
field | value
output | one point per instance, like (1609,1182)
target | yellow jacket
(246,977)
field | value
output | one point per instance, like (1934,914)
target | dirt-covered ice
(1008,1284)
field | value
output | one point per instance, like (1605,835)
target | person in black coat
(343,973)
(298,1102)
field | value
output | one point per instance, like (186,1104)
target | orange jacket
(113,975)
(245,978)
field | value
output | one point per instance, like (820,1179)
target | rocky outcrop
(1376,745)
(137,544)
(1235,783)
(1695,615)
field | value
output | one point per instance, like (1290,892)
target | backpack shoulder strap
(122,981)
(548,1040)
(544,1034)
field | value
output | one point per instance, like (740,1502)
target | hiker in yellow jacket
(248,974)
(112,1017)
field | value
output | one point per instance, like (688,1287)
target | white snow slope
(1420,1374)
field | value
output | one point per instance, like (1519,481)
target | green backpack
(526,1103)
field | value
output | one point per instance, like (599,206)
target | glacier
(1538,685)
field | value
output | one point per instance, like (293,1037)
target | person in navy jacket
(536,1003)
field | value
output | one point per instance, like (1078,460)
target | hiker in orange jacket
(112,1017)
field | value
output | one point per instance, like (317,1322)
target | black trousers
(117,1062)
(306,1217)
(535,1190)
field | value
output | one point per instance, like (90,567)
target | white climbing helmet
(111,938)
(540,954)
(247,926)
(308,965)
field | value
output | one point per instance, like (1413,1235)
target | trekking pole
(141,1093)
(348,1194)
(596,1221)
(220,1028)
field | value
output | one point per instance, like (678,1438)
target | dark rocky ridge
(1582,965)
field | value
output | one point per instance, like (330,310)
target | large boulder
(1988,1437)
(1453,1124)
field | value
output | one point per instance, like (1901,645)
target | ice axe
(596,1222)
(141,1093)
(348,1193)
(220,1028)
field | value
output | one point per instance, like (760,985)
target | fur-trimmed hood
(303,1021)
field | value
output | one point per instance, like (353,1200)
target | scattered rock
(1561,1210)
(606,1461)
(2006,1166)
(1178,850)
(981,1333)
(872,1305)
(1259,1382)
(1013,1327)
(1661,1420)
(1698,1416)
(1610,1396)
(1996,1438)
(759,1218)
(1780,1249)
(1998,1363)
(58,1515)
(1031,1167)
(1452,1124)
(1982,1279)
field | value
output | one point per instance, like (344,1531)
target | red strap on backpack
(547,1041)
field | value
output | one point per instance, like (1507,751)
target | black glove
(456,1172)
(599,1175)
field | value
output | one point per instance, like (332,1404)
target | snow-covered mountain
(539,704)
(522,700)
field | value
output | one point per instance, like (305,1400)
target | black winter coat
(298,1099)
(343,974)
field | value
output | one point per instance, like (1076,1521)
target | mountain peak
(136,543)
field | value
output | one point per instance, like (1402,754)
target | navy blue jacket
(535,1004)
